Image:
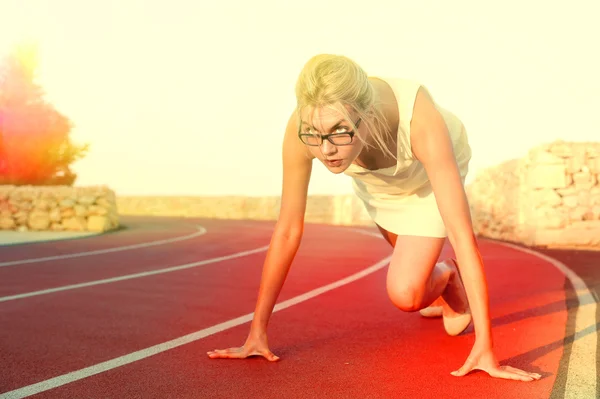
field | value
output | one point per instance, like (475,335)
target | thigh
(413,258)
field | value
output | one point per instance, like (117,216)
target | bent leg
(417,280)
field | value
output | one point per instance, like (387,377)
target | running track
(131,314)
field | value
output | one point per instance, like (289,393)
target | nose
(327,148)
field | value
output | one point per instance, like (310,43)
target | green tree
(35,147)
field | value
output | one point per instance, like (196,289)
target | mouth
(333,162)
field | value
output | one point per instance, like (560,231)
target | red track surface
(347,343)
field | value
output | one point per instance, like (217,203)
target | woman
(408,158)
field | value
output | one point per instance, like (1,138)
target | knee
(405,297)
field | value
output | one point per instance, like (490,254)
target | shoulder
(406,91)
(425,114)
(424,106)
(428,128)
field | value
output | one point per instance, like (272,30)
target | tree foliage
(35,147)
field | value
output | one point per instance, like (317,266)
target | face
(325,121)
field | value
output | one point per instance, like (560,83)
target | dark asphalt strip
(586,264)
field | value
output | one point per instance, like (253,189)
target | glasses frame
(328,136)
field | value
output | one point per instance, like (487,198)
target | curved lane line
(186,339)
(201,231)
(132,276)
(581,377)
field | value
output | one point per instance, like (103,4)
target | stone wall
(550,198)
(58,208)
(494,198)
(338,210)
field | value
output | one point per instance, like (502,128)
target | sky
(192,97)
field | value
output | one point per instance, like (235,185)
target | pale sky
(192,97)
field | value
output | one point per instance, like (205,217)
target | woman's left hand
(485,360)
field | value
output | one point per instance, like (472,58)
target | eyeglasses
(334,138)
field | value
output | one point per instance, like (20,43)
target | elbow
(289,231)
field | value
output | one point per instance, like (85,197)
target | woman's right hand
(255,345)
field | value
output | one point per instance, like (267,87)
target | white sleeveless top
(400,197)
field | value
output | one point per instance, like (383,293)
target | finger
(499,373)
(271,356)
(465,369)
(225,353)
(521,372)
(228,350)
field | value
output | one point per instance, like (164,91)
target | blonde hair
(334,82)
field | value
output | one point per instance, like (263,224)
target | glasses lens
(310,139)
(341,139)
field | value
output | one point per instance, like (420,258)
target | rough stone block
(539,156)
(546,196)
(56,227)
(42,204)
(97,210)
(550,218)
(98,223)
(67,203)
(21,217)
(548,176)
(593,165)
(592,150)
(584,198)
(67,213)
(86,200)
(570,201)
(7,223)
(561,149)
(39,220)
(581,236)
(576,162)
(75,223)
(587,224)
(583,178)
(565,192)
(577,214)
(80,210)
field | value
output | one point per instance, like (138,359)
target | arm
(431,144)
(297,166)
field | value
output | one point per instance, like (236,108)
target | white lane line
(581,377)
(153,350)
(201,231)
(186,339)
(131,276)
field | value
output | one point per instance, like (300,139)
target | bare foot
(456,312)
(454,296)
(435,309)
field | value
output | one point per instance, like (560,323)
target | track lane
(125,316)
(62,272)
(351,342)
(134,231)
